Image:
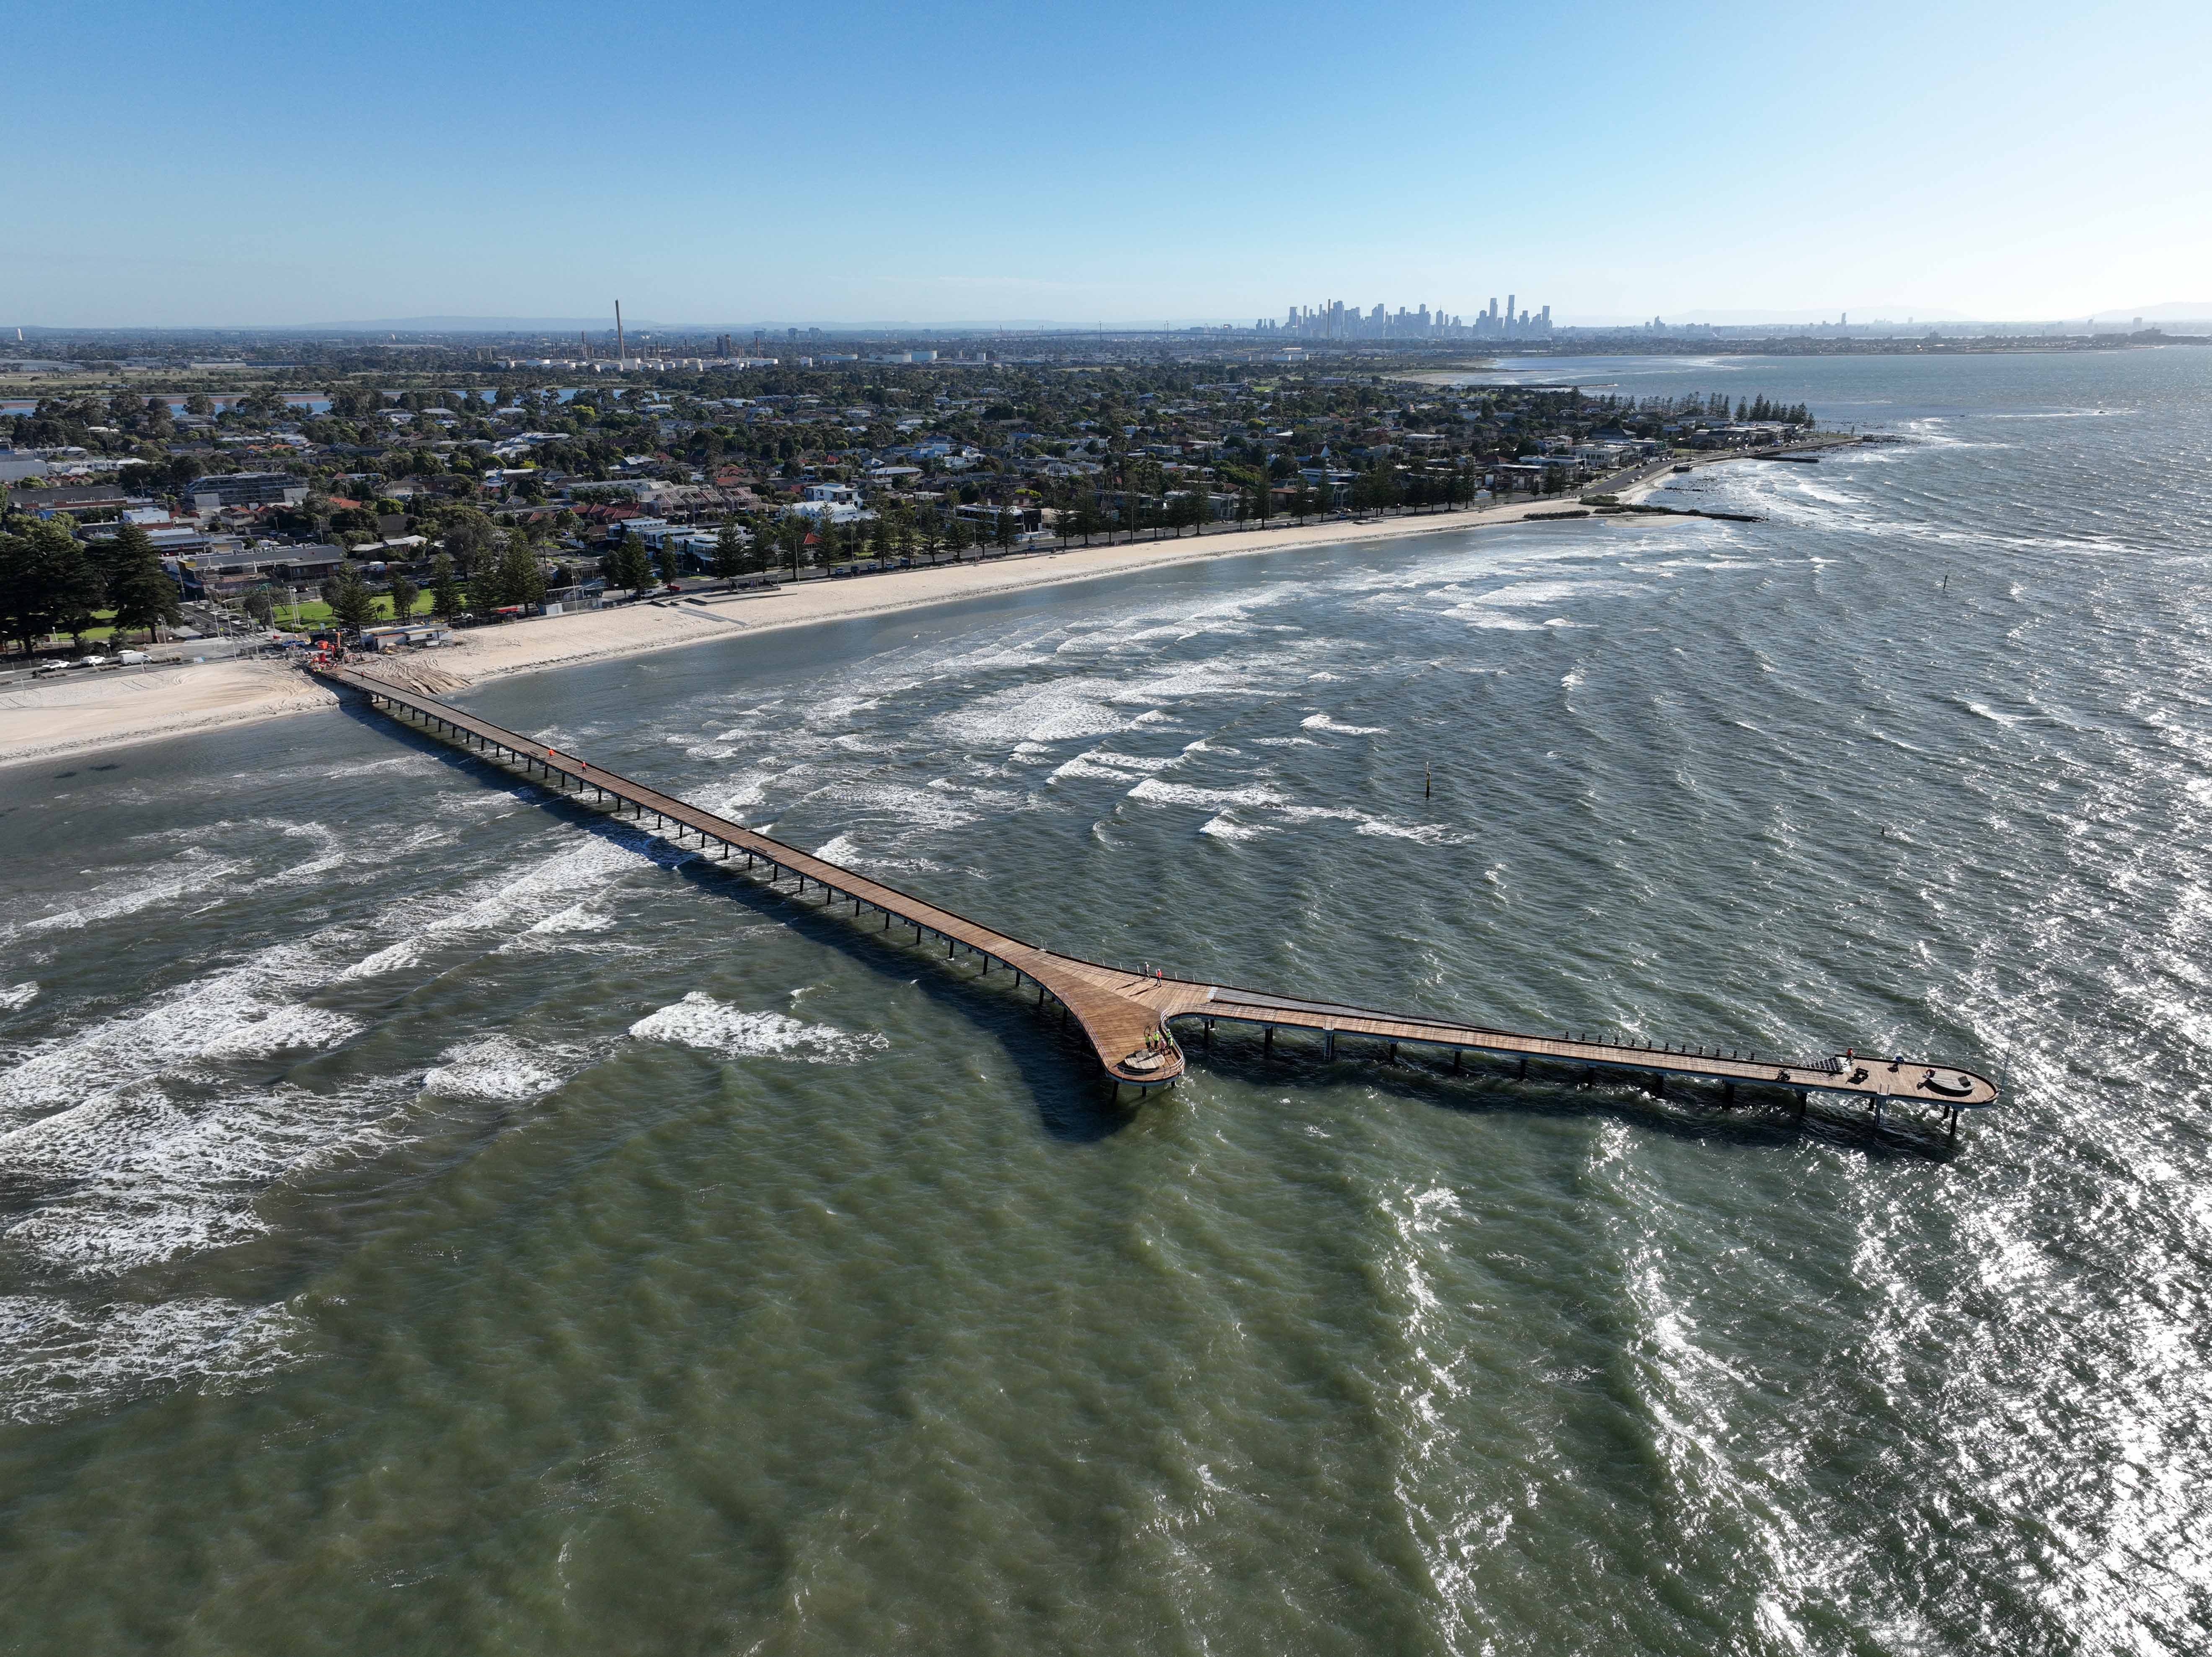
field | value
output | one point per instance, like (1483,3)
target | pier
(1129,1018)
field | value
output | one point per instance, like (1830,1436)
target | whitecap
(297,1025)
(1221,827)
(190,872)
(391,958)
(700,1021)
(1163,792)
(153,1178)
(1099,762)
(499,1067)
(1322,722)
(57,1359)
(576,918)
(221,1015)
(1054,711)
(17,996)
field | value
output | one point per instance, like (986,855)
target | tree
(139,588)
(628,567)
(519,580)
(955,536)
(128,545)
(729,550)
(352,606)
(45,581)
(404,592)
(445,589)
(466,535)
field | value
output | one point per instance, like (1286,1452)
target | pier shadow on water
(1692,1112)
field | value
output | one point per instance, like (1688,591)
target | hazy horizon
(644,327)
(1114,166)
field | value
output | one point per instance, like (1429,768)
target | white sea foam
(1221,827)
(700,1021)
(1160,791)
(1230,676)
(153,1177)
(330,853)
(1098,762)
(294,1025)
(1322,722)
(17,996)
(1055,711)
(1523,595)
(391,958)
(499,1067)
(243,1010)
(1428,834)
(127,892)
(576,918)
(923,807)
(59,1359)
(525,896)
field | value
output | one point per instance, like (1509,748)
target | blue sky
(241,164)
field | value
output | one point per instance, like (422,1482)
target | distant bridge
(1126,1014)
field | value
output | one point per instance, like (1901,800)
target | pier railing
(1127,1016)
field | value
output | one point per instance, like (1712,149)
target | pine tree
(445,589)
(352,606)
(628,567)
(138,587)
(521,581)
(402,594)
(729,551)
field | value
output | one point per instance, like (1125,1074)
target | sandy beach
(65,717)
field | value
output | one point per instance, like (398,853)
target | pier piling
(1126,1014)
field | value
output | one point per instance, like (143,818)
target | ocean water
(434,1218)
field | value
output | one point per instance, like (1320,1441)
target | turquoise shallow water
(435,1219)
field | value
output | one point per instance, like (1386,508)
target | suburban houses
(482,488)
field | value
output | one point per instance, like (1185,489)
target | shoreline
(67,720)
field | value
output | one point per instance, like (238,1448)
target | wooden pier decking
(1126,1014)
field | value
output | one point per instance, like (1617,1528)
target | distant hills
(2191,308)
